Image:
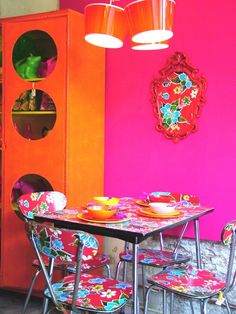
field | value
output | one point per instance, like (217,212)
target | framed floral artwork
(177,97)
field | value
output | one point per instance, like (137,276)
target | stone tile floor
(12,303)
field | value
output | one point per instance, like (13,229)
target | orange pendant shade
(105,25)
(150,21)
(150,46)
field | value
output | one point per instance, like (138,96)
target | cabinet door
(44,157)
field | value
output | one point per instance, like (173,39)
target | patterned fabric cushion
(94,293)
(227,233)
(155,258)
(41,202)
(98,261)
(188,280)
(61,244)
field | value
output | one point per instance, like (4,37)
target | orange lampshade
(150,21)
(150,46)
(105,25)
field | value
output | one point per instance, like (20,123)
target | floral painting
(177,98)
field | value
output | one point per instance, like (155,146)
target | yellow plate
(148,213)
(111,220)
(142,203)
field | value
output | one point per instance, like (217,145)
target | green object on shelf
(28,68)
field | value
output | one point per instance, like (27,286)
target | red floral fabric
(189,280)
(94,293)
(156,258)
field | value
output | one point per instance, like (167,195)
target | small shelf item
(177,97)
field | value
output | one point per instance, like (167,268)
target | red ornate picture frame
(177,97)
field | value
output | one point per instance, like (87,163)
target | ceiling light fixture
(150,20)
(150,23)
(105,25)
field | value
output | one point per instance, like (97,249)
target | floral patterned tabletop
(132,225)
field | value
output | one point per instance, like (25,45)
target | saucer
(148,213)
(142,203)
(117,218)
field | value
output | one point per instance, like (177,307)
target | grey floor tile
(12,303)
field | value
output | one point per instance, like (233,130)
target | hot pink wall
(137,157)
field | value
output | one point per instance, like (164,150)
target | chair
(198,284)
(79,291)
(50,201)
(159,258)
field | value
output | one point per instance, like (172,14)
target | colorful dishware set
(165,204)
(103,210)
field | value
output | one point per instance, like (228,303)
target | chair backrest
(228,238)
(61,244)
(40,202)
(170,197)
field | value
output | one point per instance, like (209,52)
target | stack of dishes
(103,210)
(158,209)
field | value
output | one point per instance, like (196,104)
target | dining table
(132,223)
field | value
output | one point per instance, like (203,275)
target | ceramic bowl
(161,208)
(106,200)
(100,211)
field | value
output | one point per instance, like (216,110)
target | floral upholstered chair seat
(96,293)
(155,258)
(191,280)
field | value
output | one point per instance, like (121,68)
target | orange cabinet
(53,86)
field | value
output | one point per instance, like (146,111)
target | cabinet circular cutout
(34,55)
(34,114)
(27,184)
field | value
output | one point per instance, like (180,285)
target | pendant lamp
(150,21)
(150,46)
(105,25)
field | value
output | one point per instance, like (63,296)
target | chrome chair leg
(191,305)
(122,311)
(125,271)
(108,270)
(164,301)
(45,306)
(204,306)
(117,275)
(146,300)
(227,305)
(46,300)
(143,282)
(30,290)
(172,296)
